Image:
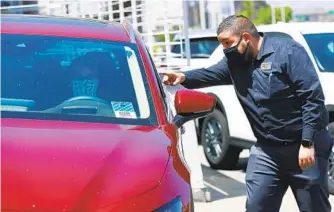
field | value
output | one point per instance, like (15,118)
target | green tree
(161,37)
(264,15)
(288,14)
(248,10)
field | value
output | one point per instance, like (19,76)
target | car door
(168,96)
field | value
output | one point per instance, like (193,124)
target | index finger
(165,75)
(165,72)
(165,78)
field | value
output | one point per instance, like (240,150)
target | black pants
(272,169)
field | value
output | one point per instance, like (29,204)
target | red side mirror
(194,103)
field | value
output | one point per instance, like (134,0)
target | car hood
(327,80)
(69,166)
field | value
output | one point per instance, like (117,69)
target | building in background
(207,14)
(202,14)
(27,7)
(96,9)
(216,11)
(314,15)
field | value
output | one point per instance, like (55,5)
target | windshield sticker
(124,110)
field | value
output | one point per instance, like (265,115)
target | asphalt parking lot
(228,189)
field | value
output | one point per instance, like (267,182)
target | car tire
(331,163)
(331,129)
(215,141)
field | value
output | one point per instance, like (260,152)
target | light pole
(186,30)
(232,7)
(202,13)
(273,14)
(283,14)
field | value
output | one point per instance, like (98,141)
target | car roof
(63,26)
(193,34)
(302,27)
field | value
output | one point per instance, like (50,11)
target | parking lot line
(215,188)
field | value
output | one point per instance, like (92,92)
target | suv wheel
(215,140)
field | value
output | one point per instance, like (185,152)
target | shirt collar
(266,46)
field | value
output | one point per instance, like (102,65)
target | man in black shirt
(279,90)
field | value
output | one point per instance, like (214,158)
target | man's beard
(248,54)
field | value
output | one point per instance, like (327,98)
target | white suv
(227,131)
(202,45)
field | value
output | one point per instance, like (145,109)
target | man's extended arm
(217,74)
(309,90)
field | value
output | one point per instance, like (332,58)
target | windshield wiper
(79,110)
(193,56)
(200,56)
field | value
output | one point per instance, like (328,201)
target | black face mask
(235,56)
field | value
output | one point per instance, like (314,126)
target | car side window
(74,79)
(162,92)
(279,34)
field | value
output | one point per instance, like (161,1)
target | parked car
(202,45)
(85,123)
(226,131)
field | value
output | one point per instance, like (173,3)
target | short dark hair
(238,24)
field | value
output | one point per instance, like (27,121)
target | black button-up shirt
(280,91)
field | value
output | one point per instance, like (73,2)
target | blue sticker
(124,109)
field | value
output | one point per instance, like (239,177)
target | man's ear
(247,36)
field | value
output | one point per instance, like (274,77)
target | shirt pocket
(261,84)
(277,83)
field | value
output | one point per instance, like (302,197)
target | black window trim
(162,92)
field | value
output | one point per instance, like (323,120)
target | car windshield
(322,48)
(61,78)
(199,47)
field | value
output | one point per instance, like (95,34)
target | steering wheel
(88,98)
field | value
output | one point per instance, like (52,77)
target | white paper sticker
(124,110)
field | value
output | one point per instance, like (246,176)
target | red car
(85,121)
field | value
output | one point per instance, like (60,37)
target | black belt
(284,143)
(278,143)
